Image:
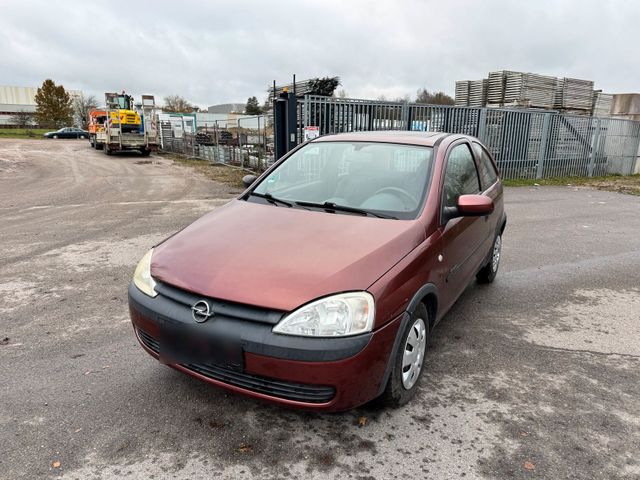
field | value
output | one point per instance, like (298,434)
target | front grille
(222,308)
(268,386)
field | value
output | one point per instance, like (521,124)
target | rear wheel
(107,149)
(487,274)
(145,152)
(409,360)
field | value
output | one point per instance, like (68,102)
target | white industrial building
(17,100)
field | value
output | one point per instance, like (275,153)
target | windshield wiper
(271,199)
(330,206)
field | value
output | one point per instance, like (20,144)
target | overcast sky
(218,52)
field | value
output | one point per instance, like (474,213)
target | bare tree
(81,105)
(23,119)
(434,98)
(178,104)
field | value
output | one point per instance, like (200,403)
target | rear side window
(461,176)
(487,170)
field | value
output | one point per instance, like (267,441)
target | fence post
(482,122)
(634,164)
(407,114)
(544,141)
(594,146)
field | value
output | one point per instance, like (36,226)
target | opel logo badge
(201,312)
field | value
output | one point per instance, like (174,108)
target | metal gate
(524,143)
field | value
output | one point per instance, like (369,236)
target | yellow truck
(127,126)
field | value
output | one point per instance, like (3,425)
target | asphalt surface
(534,376)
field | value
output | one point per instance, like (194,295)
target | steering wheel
(400,193)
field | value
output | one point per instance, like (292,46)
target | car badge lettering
(201,311)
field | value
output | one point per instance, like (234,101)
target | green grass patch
(23,132)
(616,183)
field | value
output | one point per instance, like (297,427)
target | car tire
(82,137)
(408,366)
(487,274)
(107,149)
(145,152)
(55,136)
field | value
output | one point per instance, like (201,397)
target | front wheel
(55,136)
(409,360)
(487,274)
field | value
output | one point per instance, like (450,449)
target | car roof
(427,139)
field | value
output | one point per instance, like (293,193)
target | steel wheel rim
(495,257)
(413,353)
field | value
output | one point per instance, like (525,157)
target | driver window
(461,176)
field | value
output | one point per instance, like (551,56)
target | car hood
(279,257)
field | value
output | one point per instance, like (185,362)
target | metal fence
(524,143)
(244,145)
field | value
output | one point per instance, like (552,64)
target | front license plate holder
(188,344)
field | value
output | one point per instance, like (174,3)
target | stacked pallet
(478,93)
(462,93)
(602,103)
(574,94)
(495,88)
(529,90)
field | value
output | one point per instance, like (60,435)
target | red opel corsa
(319,286)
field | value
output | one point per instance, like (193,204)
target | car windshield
(386,179)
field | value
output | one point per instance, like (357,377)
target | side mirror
(474,205)
(248,180)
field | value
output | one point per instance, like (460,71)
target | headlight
(336,316)
(142,277)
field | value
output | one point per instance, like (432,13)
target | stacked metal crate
(529,90)
(574,95)
(495,88)
(462,93)
(602,103)
(478,93)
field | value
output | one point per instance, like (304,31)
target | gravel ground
(534,376)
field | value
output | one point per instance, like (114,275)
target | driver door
(462,237)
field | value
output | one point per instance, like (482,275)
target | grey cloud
(212,52)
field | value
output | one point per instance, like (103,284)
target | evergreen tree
(252,107)
(54,107)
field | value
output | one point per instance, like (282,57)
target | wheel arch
(503,223)
(426,295)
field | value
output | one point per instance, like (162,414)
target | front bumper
(330,374)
